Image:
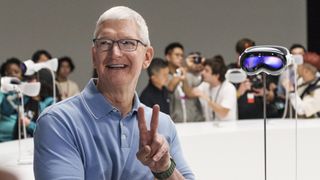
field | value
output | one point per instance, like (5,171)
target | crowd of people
(190,88)
(194,88)
(33,106)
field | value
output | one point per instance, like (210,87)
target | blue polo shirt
(85,137)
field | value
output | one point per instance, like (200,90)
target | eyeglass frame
(117,41)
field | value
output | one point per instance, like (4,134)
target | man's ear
(93,58)
(148,57)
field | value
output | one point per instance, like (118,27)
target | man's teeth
(116,66)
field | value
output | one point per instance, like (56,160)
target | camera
(256,82)
(197,59)
(178,72)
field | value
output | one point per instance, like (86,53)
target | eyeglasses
(128,45)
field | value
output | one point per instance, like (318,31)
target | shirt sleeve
(230,97)
(55,153)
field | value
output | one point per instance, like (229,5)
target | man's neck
(121,98)
(157,85)
(172,69)
(215,84)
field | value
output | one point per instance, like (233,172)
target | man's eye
(104,42)
(127,42)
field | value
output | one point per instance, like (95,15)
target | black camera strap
(311,87)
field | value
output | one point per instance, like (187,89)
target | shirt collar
(97,104)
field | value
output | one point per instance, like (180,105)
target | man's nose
(115,50)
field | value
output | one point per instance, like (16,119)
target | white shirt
(67,88)
(225,95)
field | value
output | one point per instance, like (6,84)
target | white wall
(210,26)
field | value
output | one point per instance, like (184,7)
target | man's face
(115,66)
(14,70)
(161,77)
(297,51)
(208,76)
(43,58)
(65,69)
(175,57)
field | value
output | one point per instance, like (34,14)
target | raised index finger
(154,120)
(143,132)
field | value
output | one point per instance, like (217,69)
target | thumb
(144,154)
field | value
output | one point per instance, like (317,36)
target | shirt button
(124,136)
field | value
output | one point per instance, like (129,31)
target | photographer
(178,86)
(250,92)
(194,67)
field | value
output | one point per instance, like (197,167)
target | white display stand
(233,150)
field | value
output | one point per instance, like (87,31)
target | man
(218,95)
(194,67)
(174,53)
(105,132)
(178,85)
(250,92)
(156,92)
(307,104)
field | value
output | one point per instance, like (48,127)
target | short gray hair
(124,13)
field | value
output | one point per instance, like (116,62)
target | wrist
(167,173)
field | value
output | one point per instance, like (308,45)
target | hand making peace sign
(154,148)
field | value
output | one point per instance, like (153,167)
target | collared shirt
(85,137)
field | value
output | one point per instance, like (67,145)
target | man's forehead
(124,28)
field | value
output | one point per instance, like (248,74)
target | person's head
(121,47)
(174,53)
(158,72)
(41,56)
(307,71)
(65,66)
(12,68)
(312,58)
(297,49)
(194,62)
(214,70)
(243,44)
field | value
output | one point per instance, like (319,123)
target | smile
(117,66)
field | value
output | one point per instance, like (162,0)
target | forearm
(172,85)
(188,90)
(218,109)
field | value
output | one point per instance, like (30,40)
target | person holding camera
(194,67)
(307,103)
(250,92)
(183,103)
(177,86)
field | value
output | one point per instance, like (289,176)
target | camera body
(197,59)
(256,82)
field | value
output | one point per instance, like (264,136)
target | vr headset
(269,59)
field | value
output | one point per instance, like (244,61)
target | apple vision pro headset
(269,59)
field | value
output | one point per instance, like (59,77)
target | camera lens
(197,59)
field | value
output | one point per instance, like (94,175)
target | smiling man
(105,132)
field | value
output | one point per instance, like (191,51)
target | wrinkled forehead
(118,28)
